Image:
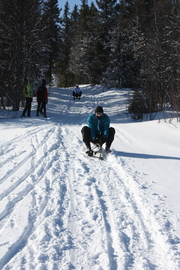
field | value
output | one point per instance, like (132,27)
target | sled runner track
(25,156)
(83,220)
(128,228)
(81,213)
(8,147)
(134,214)
(25,183)
(32,162)
(92,191)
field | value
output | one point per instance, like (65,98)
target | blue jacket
(98,126)
(77,90)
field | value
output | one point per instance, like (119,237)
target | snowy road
(62,210)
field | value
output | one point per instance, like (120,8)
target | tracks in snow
(81,213)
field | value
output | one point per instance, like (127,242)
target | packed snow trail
(60,209)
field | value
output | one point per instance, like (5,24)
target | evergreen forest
(127,43)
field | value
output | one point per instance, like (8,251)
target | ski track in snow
(81,213)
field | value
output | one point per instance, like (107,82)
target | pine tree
(51,35)
(107,17)
(159,68)
(19,23)
(74,62)
(65,76)
(84,51)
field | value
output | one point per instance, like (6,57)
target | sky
(72,3)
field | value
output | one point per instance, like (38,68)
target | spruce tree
(107,19)
(84,53)
(19,24)
(65,76)
(51,35)
(74,62)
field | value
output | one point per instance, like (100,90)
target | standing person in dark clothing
(42,98)
(28,92)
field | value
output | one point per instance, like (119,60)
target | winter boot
(107,150)
(89,152)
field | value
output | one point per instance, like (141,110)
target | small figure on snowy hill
(98,131)
(42,98)
(77,93)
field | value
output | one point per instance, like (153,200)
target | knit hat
(99,109)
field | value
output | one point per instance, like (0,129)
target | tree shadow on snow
(143,156)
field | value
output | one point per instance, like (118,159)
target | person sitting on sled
(98,131)
(77,92)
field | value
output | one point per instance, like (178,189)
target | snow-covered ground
(60,209)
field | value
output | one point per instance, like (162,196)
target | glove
(95,140)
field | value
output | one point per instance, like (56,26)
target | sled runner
(98,151)
(76,97)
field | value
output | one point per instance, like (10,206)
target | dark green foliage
(20,28)
(25,47)
(127,43)
(51,36)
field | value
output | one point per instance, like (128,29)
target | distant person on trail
(98,131)
(28,92)
(77,92)
(42,98)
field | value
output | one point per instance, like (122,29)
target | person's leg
(110,137)
(25,109)
(101,140)
(29,106)
(44,107)
(86,139)
(79,95)
(86,136)
(41,109)
(38,108)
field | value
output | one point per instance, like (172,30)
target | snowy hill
(60,209)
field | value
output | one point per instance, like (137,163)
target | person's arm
(106,123)
(90,123)
(37,95)
(46,94)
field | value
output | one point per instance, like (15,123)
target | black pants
(41,106)
(86,135)
(41,109)
(27,107)
(76,95)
